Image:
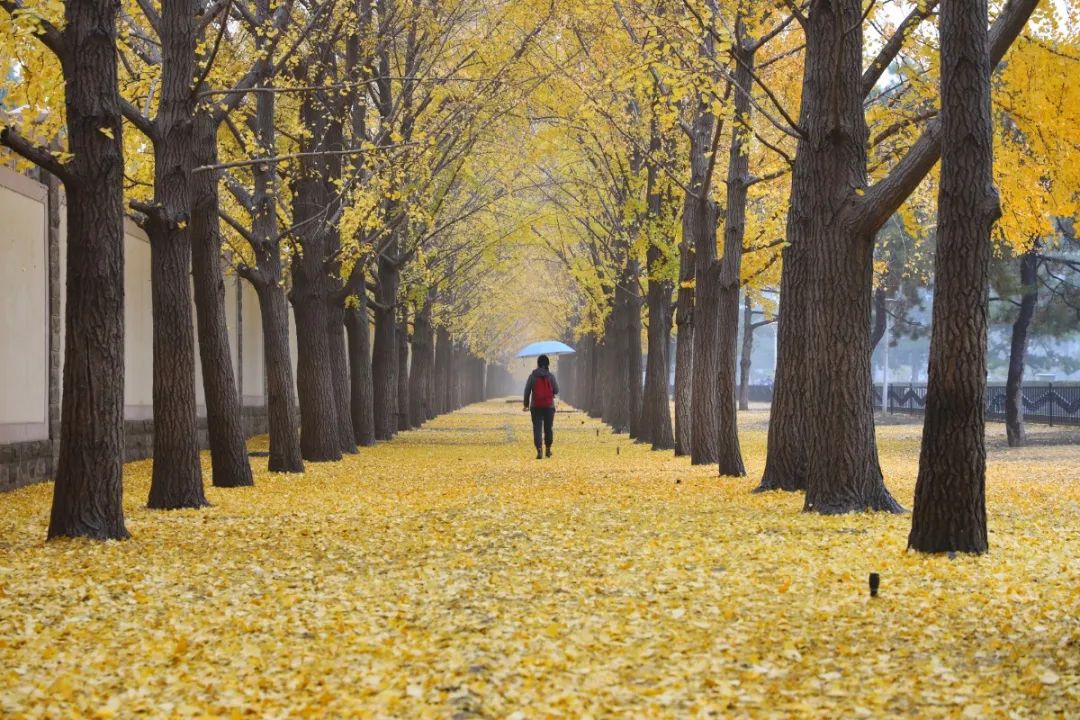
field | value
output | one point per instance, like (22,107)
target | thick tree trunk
(633,350)
(403,374)
(684,349)
(320,437)
(332,279)
(442,371)
(176,479)
(88,493)
(384,364)
(823,409)
(617,393)
(655,425)
(950,493)
(228,452)
(421,367)
(282,408)
(1014,385)
(362,400)
(745,355)
(283,417)
(339,372)
(728,279)
(699,224)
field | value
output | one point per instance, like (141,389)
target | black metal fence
(1045,403)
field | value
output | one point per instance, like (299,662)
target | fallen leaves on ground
(449,574)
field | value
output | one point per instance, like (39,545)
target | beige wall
(24,310)
(138,326)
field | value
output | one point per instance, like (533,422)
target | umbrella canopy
(546,347)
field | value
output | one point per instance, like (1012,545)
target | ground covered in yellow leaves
(449,574)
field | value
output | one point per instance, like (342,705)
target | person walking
(540,392)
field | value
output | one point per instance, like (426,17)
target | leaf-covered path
(449,574)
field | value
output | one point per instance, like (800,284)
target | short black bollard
(875,581)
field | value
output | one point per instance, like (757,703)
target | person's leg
(537,421)
(549,431)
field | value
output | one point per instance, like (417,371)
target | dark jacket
(539,372)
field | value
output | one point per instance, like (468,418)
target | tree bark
(655,425)
(950,493)
(403,419)
(684,348)
(88,493)
(362,405)
(699,224)
(747,352)
(633,349)
(176,478)
(1014,385)
(423,357)
(320,439)
(282,408)
(384,365)
(228,451)
(282,413)
(442,371)
(728,274)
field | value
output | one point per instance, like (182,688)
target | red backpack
(542,394)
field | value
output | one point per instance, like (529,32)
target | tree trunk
(617,393)
(823,411)
(334,143)
(1014,385)
(442,371)
(880,322)
(282,408)
(421,367)
(176,479)
(728,277)
(228,451)
(950,493)
(655,425)
(747,351)
(403,374)
(699,224)
(633,350)
(684,348)
(88,493)
(282,413)
(320,439)
(655,413)
(362,405)
(384,364)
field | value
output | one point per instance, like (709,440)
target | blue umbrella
(546,347)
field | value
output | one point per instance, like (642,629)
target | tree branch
(46,32)
(40,156)
(894,44)
(883,198)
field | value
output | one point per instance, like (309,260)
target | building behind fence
(32,274)
(1045,403)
